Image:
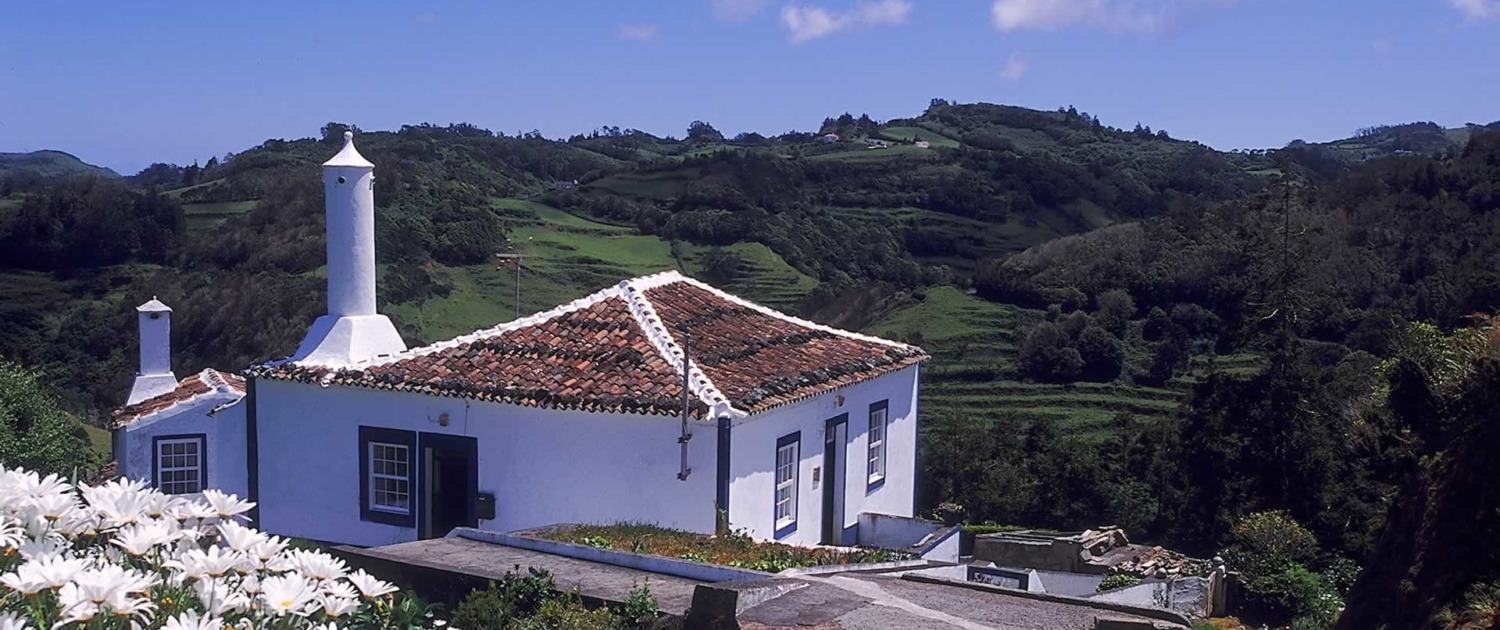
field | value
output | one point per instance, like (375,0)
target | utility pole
(517,259)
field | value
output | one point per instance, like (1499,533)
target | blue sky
(124,84)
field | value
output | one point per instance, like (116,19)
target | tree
(1047,356)
(1102,353)
(36,434)
(333,133)
(703,132)
(1113,311)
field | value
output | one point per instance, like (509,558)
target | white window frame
(403,478)
(878,436)
(784,504)
(163,467)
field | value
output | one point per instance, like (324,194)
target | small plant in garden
(121,555)
(641,607)
(1117,580)
(594,541)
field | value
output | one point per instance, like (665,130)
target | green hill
(47,164)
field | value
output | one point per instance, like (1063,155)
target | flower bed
(734,550)
(121,555)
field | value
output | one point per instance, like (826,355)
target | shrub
(640,608)
(1117,580)
(502,604)
(1266,544)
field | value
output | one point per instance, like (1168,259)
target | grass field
(565,257)
(918,133)
(100,440)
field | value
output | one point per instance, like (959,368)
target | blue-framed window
(784,503)
(387,476)
(180,463)
(875,459)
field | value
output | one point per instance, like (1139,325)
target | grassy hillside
(565,257)
(47,164)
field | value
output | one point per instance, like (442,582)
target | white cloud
(736,10)
(1477,9)
(1015,68)
(806,23)
(884,12)
(1142,17)
(638,32)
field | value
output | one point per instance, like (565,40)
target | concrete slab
(487,561)
(884,602)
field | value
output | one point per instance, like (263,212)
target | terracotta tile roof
(762,359)
(619,350)
(209,381)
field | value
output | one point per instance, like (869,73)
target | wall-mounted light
(839,399)
(443,419)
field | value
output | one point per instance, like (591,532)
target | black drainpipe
(252,452)
(722,498)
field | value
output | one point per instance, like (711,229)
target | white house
(784,428)
(168,428)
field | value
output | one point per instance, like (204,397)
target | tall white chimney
(155,376)
(351,331)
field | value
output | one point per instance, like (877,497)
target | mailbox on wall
(484,506)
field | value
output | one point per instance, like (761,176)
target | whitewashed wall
(752,463)
(224,441)
(544,466)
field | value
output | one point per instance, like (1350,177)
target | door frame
(469,447)
(835,473)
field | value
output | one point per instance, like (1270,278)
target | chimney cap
(154,306)
(348,156)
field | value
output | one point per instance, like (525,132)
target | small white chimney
(155,376)
(351,331)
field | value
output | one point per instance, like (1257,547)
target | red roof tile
(205,382)
(618,350)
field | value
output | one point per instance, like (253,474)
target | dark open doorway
(835,450)
(450,483)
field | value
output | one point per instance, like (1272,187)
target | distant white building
(829,138)
(923,144)
(792,429)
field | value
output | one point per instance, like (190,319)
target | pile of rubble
(1108,547)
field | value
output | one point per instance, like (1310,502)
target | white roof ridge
(483,333)
(215,380)
(218,388)
(766,310)
(651,324)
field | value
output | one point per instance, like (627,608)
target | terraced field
(204,216)
(973,343)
